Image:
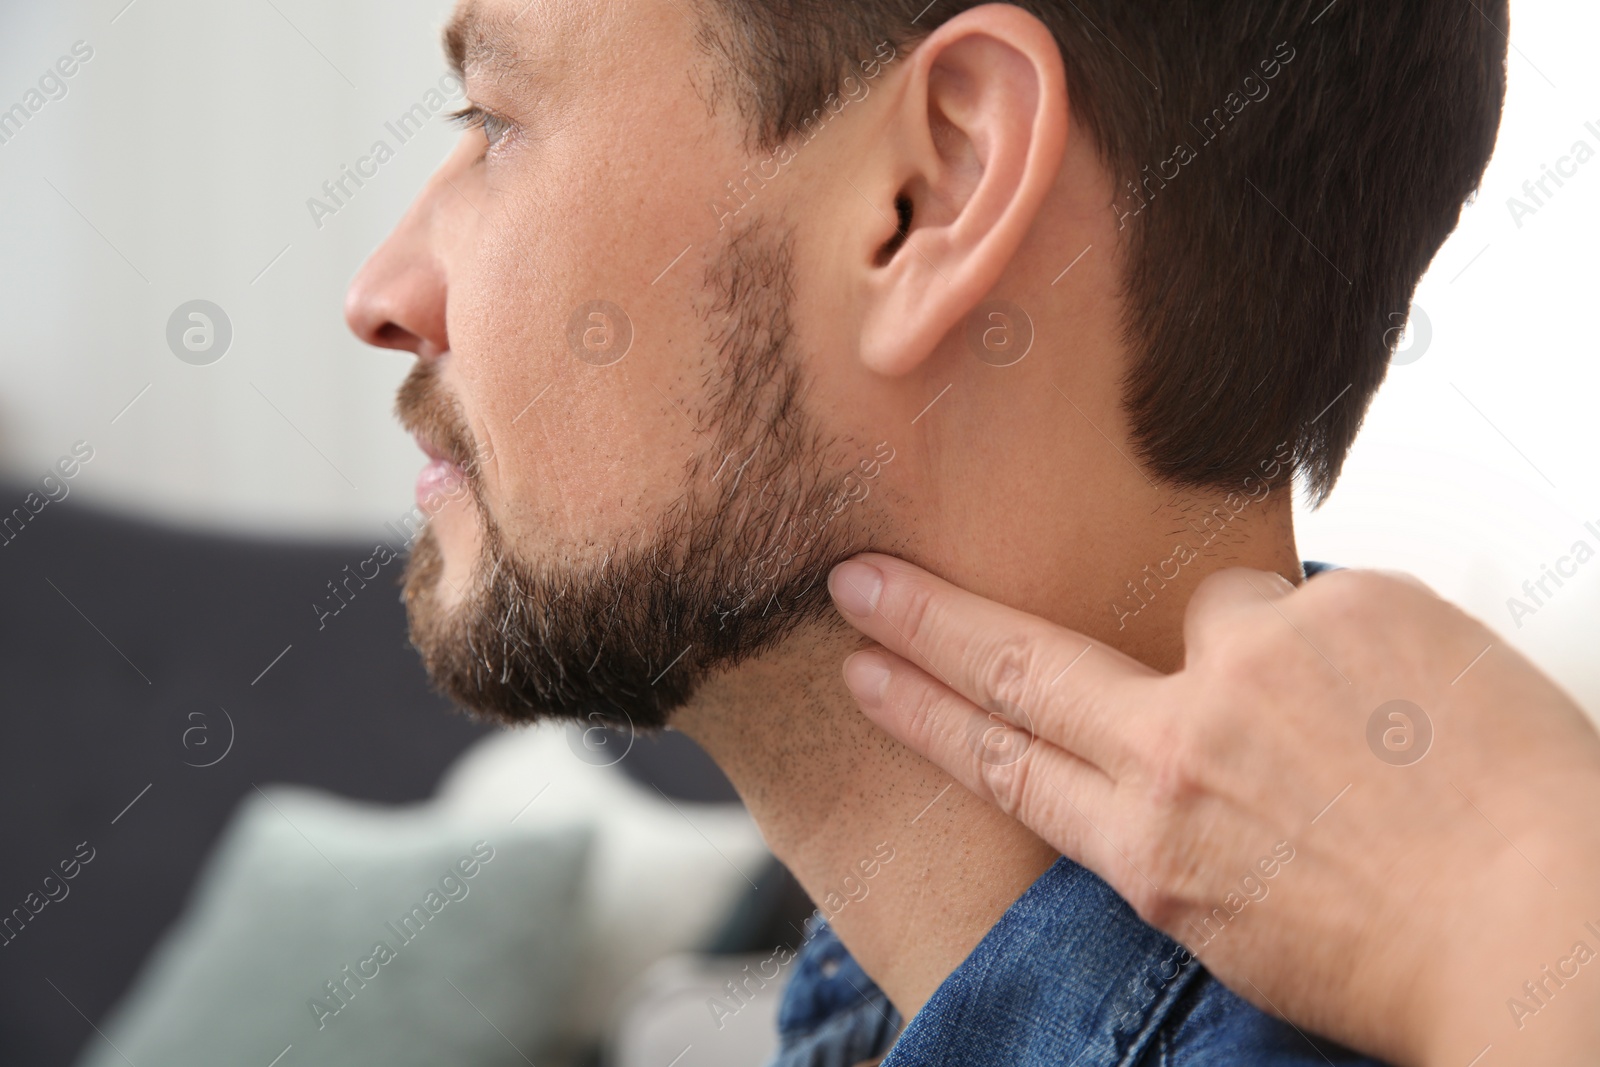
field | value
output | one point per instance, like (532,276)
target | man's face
(660,468)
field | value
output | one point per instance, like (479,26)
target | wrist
(1563,1032)
(1523,985)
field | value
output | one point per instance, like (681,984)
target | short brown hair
(1263,275)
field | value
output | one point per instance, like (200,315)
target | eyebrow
(475,40)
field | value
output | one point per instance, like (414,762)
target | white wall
(191,142)
(193,138)
(1475,501)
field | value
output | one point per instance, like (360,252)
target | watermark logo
(600,333)
(1143,589)
(1538,192)
(1253,887)
(739,193)
(1408,338)
(54,487)
(1545,986)
(1252,88)
(198,742)
(1537,592)
(52,86)
(1000,333)
(1399,733)
(338,191)
(53,889)
(603,743)
(199,333)
(453,886)
(740,992)
(1006,738)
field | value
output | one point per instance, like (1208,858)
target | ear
(966,156)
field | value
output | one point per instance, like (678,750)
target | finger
(1409,579)
(1223,597)
(1060,797)
(1080,693)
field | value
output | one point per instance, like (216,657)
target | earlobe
(977,139)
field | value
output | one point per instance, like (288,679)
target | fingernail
(867,675)
(855,587)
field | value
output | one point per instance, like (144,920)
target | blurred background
(155,609)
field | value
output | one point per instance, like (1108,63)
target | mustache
(427,410)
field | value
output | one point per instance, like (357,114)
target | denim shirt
(1070,977)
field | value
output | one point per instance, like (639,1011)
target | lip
(441,479)
(438,482)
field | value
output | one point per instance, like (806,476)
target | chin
(455,549)
(624,641)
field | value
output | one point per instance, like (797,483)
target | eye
(473,117)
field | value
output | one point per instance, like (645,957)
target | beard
(736,564)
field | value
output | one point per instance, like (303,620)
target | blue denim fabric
(832,1014)
(1070,977)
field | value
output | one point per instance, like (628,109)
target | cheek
(575,316)
(583,379)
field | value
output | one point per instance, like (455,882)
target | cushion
(663,874)
(327,931)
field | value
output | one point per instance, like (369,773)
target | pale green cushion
(305,884)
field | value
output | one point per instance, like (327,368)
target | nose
(398,298)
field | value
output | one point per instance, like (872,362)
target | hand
(1388,874)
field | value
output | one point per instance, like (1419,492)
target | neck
(911,869)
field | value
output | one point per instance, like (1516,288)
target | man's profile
(1053,298)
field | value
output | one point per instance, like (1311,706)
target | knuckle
(1007,671)
(1152,843)
(1174,772)
(1253,658)
(1162,872)
(1008,783)
(1258,638)
(1406,578)
(1156,906)
(1344,591)
(1348,609)
(1355,598)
